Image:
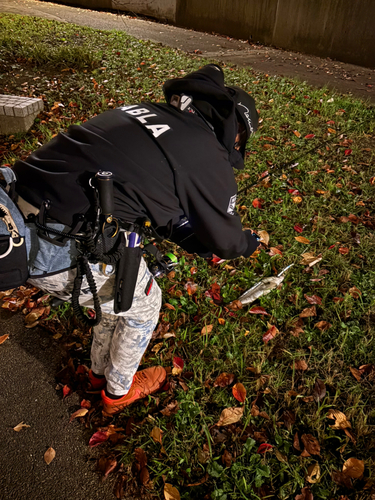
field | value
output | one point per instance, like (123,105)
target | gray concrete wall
(160,9)
(339,29)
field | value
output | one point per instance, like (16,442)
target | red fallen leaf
(257,203)
(81,370)
(178,362)
(217,260)
(214,293)
(274,251)
(348,152)
(258,310)
(293,192)
(91,313)
(344,250)
(270,334)
(309,136)
(298,228)
(85,404)
(98,438)
(264,447)
(239,392)
(313,299)
(66,391)
(224,379)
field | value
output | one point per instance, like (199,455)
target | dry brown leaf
(354,468)
(312,445)
(356,373)
(354,292)
(230,416)
(170,492)
(227,458)
(49,455)
(313,473)
(170,409)
(157,435)
(308,312)
(198,483)
(144,476)
(3,338)
(302,239)
(264,237)
(141,457)
(156,348)
(296,443)
(207,329)
(235,305)
(300,364)
(224,379)
(296,133)
(20,426)
(79,413)
(320,390)
(280,457)
(309,259)
(306,494)
(341,422)
(341,479)
(323,325)
(313,299)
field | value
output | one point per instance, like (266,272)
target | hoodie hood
(213,101)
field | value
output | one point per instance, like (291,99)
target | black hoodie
(167,164)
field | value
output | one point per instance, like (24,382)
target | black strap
(83,269)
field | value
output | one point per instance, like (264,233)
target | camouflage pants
(120,340)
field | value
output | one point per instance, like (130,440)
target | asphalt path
(29,360)
(346,78)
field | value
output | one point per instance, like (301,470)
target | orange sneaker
(97,383)
(145,382)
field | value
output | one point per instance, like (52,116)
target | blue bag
(13,253)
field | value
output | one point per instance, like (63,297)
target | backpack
(13,253)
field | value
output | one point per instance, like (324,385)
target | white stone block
(8,108)
(22,110)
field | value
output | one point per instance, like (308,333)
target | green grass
(106,69)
